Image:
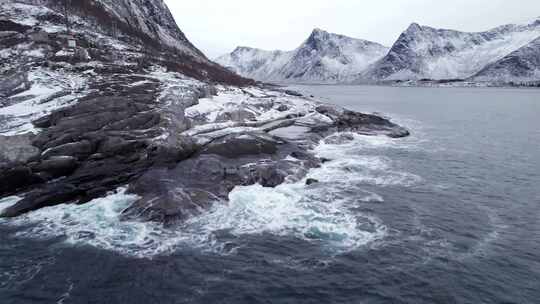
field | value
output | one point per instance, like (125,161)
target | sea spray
(322,213)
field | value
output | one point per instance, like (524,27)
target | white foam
(287,210)
(322,213)
(99,224)
(354,164)
(96,223)
(8,202)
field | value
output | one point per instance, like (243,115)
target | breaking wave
(322,213)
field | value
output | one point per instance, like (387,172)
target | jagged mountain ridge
(323,57)
(426,52)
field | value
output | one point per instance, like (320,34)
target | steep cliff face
(425,52)
(125,29)
(323,57)
(151,17)
(148,19)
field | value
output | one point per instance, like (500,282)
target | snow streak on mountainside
(255,63)
(151,18)
(323,57)
(425,52)
(154,19)
(521,65)
(134,31)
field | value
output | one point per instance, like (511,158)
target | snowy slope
(323,57)
(148,19)
(521,65)
(255,63)
(127,30)
(154,19)
(425,52)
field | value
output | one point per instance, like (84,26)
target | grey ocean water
(448,215)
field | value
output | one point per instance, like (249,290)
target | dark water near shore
(449,215)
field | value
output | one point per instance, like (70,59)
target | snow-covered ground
(236,110)
(49,90)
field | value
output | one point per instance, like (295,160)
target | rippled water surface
(448,215)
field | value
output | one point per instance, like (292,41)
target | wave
(8,202)
(288,211)
(322,213)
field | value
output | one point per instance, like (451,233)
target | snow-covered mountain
(130,30)
(152,18)
(520,66)
(255,63)
(426,52)
(323,57)
(148,20)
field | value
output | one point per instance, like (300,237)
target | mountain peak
(414,27)
(323,58)
(239,49)
(317,38)
(319,31)
(318,34)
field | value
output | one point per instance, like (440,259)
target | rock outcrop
(246,157)
(140,135)
(180,131)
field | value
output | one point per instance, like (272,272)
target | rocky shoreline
(150,132)
(127,107)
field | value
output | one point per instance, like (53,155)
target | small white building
(72,43)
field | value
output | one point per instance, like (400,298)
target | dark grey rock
(17,149)
(81,149)
(329,110)
(57,166)
(238,116)
(194,185)
(293,93)
(339,139)
(98,144)
(15,178)
(238,145)
(283,108)
(11,84)
(311,181)
(170,205)
(43,198)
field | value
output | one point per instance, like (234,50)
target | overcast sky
(218,26)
